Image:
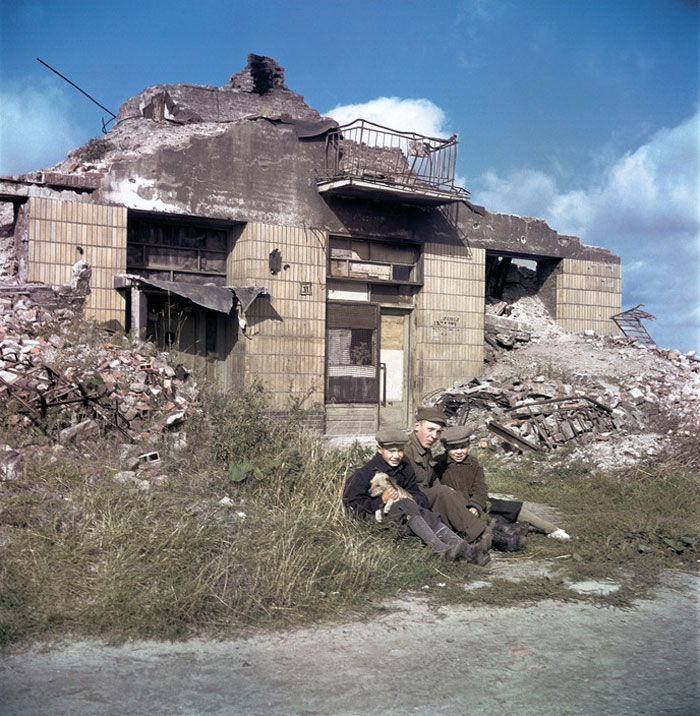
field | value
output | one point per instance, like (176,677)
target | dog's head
(378,484)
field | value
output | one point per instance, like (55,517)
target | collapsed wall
(244,160)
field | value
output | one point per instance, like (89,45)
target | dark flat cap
(455,435)
(391,436)
(431,414)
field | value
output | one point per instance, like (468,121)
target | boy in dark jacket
(388,507)
(463,472)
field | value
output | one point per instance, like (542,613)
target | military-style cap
(391,436)
(455,435)
(431,414)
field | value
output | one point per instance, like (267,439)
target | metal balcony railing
(367,151)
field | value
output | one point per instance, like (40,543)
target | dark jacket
(467,477)
(356,494)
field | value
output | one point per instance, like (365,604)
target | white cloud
(406,115)
(36,129)
(646,208)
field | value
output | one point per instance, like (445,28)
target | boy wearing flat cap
(463,472)
(443,499)
(390,508)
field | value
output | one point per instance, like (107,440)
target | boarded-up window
(177,250)
(351,353)
(374,261)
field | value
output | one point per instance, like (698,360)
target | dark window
(177,251)
(351,353)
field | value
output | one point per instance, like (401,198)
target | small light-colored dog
(380,482)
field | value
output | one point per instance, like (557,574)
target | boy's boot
(476,552)
(486,537)
(479,552)
(422,529)
(508,540)
(455,544)
(521,528)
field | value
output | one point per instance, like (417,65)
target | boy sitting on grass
(413,511)
(463,472)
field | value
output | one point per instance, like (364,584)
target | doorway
(394,367)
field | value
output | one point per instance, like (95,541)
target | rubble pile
(32,307)
(56,389)
(125,390)
(537,414)
(508,326)
(670,385)
(649,388)
(502,333)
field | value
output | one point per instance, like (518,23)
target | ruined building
(262,241)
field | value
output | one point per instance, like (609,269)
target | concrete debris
(619,401)
(509,326)
(502,333)
(25,307)
(89,389)
(552,423)
(11,463)
(535,414)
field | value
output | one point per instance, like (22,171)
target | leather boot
(508,540)
(457,547)
(422,529)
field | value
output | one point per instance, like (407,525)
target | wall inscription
(446,329)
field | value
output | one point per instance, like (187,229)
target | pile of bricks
(53,385)
(124,390)
(502,333)
(542,414)
(538,414)
(661,381)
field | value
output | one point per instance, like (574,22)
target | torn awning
(215,298)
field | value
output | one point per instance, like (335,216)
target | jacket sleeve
(479,492)
(440,466)
(356,495)
(410,484)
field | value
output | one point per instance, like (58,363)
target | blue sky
(583,112)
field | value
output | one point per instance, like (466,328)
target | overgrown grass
(634,521)
(85,556)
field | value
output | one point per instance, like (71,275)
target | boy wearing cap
(413,512)
(443,499)
(464,473)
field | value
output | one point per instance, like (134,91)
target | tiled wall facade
(449,317)
(58,228)
(587,294)
(287,332)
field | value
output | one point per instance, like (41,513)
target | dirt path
(549,659)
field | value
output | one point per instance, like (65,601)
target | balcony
(367,160)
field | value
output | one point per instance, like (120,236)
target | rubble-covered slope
(611,399)
(60,386)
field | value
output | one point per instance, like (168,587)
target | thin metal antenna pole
(92,99)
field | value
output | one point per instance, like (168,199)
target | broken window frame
(169,251)
(369,261)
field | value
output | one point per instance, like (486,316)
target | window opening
(374,261)
(177,252)
(351,353)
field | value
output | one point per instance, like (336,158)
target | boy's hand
(389,494)
(474,511)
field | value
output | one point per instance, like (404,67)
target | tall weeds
(92,557)
(83,555)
